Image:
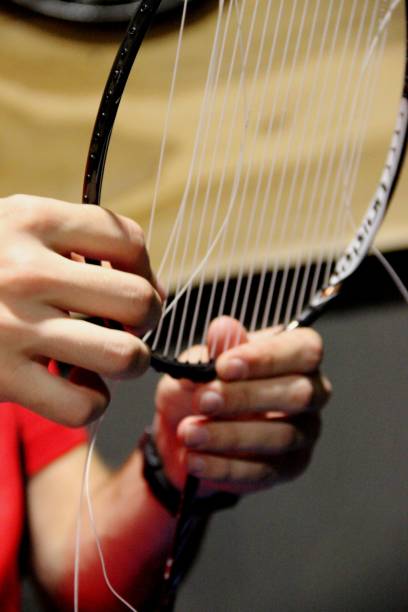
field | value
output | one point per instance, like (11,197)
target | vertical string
(197,141)
(206,204)
(238,221)
(339,120)
(166,125)
(349,184)
(314,111)
(317,217)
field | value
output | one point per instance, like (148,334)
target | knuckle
(85,413)
(264,473)
(302,394)
(35,214)
(146,305)
(234,440)
(136,237)
(224,471)
(23,275)
(287,438)
(239,400)
(313,349)
(124,357)
(32,281)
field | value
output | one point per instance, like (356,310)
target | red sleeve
(43,441)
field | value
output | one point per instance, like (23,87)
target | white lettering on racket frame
(360,245)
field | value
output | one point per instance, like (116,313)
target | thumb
(225,333)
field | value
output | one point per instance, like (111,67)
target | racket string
(309,198)
(359,104)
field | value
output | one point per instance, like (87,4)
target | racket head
(91,11)
(293,157)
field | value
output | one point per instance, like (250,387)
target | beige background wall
(51,77)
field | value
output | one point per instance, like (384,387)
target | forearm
(136,533)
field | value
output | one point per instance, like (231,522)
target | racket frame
(345,267)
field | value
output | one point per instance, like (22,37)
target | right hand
(40,285)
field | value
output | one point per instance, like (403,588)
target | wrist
(164,490)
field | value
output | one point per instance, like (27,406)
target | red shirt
(28,443)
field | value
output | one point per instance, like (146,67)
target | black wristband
(166,493)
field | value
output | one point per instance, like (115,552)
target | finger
(104,292)
(260,335)
(112,353)
(298,351)
(248,438)
(287,394)
(73,402)
(238,438)
(224,470)
(173,399)
(224,333)
(92,231)
(242,476)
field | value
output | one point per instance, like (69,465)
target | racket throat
(319,303)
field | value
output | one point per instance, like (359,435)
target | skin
(40,283)
(254,426)
(262,433)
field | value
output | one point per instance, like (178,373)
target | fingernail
(195,436)
(211,402)
(195,465)
(233,369)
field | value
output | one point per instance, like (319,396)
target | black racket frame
(346,265)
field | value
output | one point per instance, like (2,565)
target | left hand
(257,424)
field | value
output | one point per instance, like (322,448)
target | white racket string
(92,521)
(248,107)
(209,182)
(383,24)
(294,135)
(271,232)
(212,241)
(289,203)
(314,110)
(393,274)
(187,233)
(338,118)
(221,122)
(363,121)
(269,242)
(86,492)
(350,173)
(359,115)
(249,237)
(196,272)
(319,214)
(333,176)
(332,182)
(261,108)
(169,109)
(273,114)
(247,103)
(78,527)
(238,49)
(198,138)
(277,206)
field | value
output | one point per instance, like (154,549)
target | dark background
(336,539)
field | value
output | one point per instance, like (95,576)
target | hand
(40,284)
(256,425)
